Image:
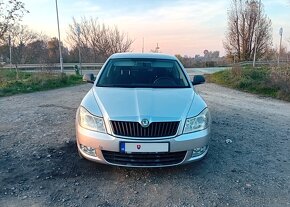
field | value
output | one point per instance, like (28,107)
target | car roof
(142,55)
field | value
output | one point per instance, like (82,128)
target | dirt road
(247,164)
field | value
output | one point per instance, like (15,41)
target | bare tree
(118,42)
(10,12)
(52,50)
(36,51)
(21,36)
(97,41)
(248,27)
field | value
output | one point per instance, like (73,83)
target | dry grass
(267,81)
(25,82)
(280,78)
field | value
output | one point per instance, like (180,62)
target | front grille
(134,129)
(144,159)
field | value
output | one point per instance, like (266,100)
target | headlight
(197,123)
(91,122)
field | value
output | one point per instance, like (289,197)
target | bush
(280,78)
(28,82)
(269,81)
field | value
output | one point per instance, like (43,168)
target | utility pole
(281,34)
(143,46)
(10,51)
(256,35)
(287,63)
(78,30)
(59,44)
(157,48)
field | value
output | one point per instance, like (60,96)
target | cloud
(179,26)
(185,27)
(85,7)
(282,2)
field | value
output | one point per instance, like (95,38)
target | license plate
(126,147)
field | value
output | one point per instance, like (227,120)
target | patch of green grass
(266,81)
(27,82)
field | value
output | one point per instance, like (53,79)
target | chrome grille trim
(134,129)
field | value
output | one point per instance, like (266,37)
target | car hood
(135,104)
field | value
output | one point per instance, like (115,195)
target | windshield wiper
(170,87)
(137,86)
(115,85)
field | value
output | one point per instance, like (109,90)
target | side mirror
(198,79)
(90,78)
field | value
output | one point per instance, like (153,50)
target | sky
(185,27)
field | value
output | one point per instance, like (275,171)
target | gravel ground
(247,164)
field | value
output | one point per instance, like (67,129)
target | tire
(80,155)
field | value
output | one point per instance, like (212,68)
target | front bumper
(107,143)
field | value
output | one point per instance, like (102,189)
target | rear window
(143,73)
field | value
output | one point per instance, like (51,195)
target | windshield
(143,73)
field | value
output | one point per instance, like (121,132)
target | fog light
(198,151)
(88,150)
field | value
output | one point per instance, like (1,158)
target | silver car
(143,111)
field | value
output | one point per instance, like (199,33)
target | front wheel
(80,155)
